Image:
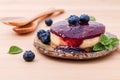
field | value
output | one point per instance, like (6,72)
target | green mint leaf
(98,47)
(103,37)
(109,47)
(15,50)
(114,42)
(92,18)
(107,42)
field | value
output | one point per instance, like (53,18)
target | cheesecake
(77,38)
(80,35)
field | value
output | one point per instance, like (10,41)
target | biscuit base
(49,51)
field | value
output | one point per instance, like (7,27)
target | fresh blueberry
(84,18)
(40,32)
(28,56)
(44,36)
(48,22)
(73,20)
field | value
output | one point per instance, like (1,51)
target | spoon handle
(46,13)
(19,22)
(33,25)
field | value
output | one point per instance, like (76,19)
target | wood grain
(13,67)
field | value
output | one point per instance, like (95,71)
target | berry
(28,56)
(84,18)
(73,20)
(44,36)
(48,22)
(40,32)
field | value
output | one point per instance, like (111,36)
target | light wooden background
(13,67)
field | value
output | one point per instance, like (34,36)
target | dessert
(76,38)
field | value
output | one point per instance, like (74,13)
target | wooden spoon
(32,26)
(21,22)
(29,27)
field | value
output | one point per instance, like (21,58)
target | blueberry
(28,56)
(44,36)
(40,32)
(84,18)
(73,20)
(48,22)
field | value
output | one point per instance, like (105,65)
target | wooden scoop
(23,27)
(29,27)
(22,21)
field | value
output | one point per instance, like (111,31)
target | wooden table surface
(13,67)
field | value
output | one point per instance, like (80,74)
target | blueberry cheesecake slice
(76,38)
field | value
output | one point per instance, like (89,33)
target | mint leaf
(114,42)
(106,43)
(103,37)
(92,18)
(15,50)
(109,47)
(98,47)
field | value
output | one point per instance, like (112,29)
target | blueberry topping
(28,56)
(84,18)
(48,22)
(40,32)
(73,20)
(44,36)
